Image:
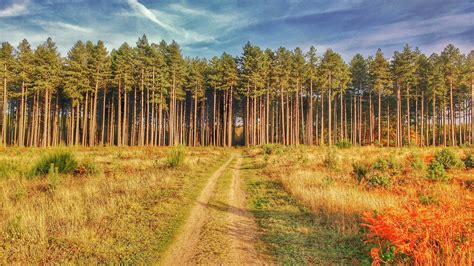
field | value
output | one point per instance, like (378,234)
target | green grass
(291,234)
(63,160)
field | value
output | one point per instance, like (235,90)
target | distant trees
(150,94)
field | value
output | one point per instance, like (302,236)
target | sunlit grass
(127,212)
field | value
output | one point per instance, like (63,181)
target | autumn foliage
(418,234)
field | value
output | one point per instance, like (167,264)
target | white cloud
(171,24)
(143,10)
(72,27)
(56,26)
(410,31)
(15,9)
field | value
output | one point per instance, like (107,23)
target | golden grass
(333,193)
(127,213)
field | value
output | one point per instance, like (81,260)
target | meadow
(364,204)
(117,205)
(311,205)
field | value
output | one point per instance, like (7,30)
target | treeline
(151,94)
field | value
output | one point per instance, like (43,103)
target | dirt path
(183,249)
(237,227)
(242,226)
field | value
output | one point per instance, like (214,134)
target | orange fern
(425,234)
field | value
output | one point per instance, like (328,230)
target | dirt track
(240,230)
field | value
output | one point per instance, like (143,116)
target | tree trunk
(379,119)
(451,112)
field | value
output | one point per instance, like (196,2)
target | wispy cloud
(54,25)
(179,33)
(410,31)
(208,28)
(16,9)
(143,10)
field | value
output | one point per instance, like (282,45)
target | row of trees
(151,95)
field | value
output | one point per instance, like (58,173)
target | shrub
(380,181)
(175,156)
(390,165)
(428,199)
(422,234)
(331,161)
(54,180)
(88,167)
(381,164)
(416,162)
(447,158)
(269,149)
(360,170)
(436,171)
(63,160)
(469,161)
(344,144)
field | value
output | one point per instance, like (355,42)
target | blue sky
(207,28)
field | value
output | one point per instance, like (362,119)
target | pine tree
(437,87)
(298,77)
(403,70)
(47,79)
(7,62)
(422,86)
(379,72)
(469,80)
(229,83)
(282,74)
(99,65)
(333,77)
(451,59)
(311,77)
(360,82)
(76,83)
(196,84)
(122,66)
(176,70)
(25,79)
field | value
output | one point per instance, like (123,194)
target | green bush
(344,144)
(416,162)
(88,167)
(63,160)
(437,172)
(469,161)
(54,179)
(381,164)
(175,156)
(447,158)
(380,181)
(427,199)
(360,170)
(269,149)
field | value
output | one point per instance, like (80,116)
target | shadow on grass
(291,234)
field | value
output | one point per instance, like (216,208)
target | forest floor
(261,205)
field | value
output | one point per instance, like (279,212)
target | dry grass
(321,179)
(126,213)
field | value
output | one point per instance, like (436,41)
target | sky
(211,27)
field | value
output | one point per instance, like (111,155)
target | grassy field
(120,205)
(310,202)
(316,205)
